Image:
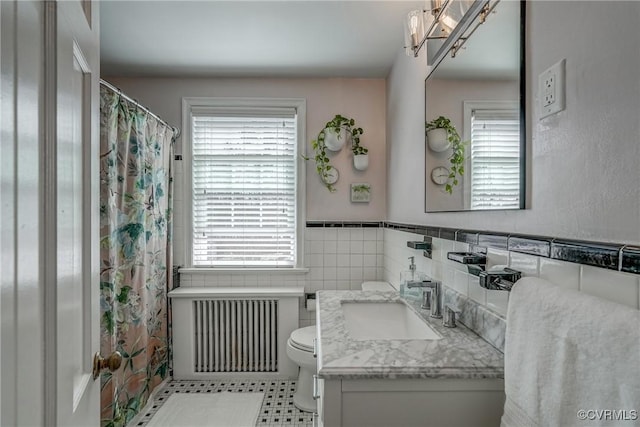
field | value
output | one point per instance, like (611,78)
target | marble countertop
(459,354)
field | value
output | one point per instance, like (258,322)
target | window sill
(228,270)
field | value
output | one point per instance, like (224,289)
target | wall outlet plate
(551,89)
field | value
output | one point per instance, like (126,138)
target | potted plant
(442,135)
(334,139)
(341,128)
(360,156)
(336,132)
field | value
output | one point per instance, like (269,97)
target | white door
(76,393)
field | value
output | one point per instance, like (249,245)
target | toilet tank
(377,286)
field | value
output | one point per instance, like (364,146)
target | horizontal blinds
(244,189)
(495,159)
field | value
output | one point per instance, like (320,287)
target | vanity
(382,361)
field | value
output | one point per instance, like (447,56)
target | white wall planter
(334,141)
(438,140)
(361,161)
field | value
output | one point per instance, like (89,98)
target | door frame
(22,348)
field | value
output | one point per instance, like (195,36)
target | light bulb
(413,24)
(415,27)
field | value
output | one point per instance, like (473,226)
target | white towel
(566,352)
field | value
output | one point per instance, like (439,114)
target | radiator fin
(235,335)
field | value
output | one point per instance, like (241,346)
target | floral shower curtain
(135,237)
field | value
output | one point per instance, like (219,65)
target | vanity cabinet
(373,374)
(410,402)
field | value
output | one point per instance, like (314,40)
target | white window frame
(468,107)
(200,103)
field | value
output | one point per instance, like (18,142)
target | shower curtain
(135,237)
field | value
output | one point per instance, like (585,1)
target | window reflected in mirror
(493,131)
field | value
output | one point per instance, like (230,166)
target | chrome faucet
(431,297)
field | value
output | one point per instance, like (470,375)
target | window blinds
(495,159)
(244,188)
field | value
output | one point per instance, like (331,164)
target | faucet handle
(426,299)
(449,318)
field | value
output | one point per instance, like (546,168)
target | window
(245,182)
(494,155)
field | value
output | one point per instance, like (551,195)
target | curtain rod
(176,130)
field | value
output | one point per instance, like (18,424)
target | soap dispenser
(408,275)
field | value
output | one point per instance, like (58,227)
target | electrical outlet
(551,89)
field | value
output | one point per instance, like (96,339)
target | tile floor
(277,407)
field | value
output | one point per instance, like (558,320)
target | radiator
(233,332)
(235,335)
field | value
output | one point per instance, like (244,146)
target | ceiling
(288,38)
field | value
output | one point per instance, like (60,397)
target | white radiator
(236,335)
(233,332)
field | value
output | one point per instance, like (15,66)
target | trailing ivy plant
(320,154)
(358,149)
(322,161)
(457,150)
(361,188)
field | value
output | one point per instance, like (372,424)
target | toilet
(300,350)
(377,286)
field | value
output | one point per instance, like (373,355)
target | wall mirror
(476,81)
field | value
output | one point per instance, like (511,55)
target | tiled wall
(342,257)
(337,258)
(619,287)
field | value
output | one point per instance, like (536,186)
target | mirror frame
(469,18)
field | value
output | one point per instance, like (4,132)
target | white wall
(584,174)
(360,99)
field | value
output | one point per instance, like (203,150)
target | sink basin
(385,321)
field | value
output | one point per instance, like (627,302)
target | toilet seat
(302,338)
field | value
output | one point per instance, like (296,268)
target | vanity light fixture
(421,25)
(418,20)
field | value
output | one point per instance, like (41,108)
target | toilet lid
(303,338)
(377,286)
